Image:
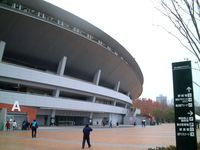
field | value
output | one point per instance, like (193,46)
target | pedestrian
(143,123)
(103,123)
(117,124)
(110,125)
(14,124)
(34,127)
(25,125)
(8,125)
(86,136)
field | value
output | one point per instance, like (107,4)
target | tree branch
(193,18)
(177,15)
(176,38)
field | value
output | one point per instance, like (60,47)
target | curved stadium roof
(42,43)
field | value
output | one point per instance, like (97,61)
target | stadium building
(62,70)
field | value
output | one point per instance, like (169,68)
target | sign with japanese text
(184,106)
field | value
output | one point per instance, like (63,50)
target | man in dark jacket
(34,127)
(86,136)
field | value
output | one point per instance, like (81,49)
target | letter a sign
(16,106)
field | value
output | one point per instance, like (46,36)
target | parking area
(70,138)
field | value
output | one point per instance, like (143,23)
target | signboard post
(184,106)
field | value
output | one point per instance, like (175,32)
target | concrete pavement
(70,138)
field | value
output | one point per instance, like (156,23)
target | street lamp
(197,69)
(196,62)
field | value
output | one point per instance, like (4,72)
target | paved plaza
(70,138)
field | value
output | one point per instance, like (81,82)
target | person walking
(34,127)
(110,125)
(143,123)
(14,124)
(8,125)
(86,136)
(117,124)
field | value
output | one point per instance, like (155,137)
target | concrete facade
(64,71)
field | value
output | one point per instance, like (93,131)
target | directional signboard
(184,106)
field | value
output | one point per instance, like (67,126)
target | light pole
(196,62)
(197,69)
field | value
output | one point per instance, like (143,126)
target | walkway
(70,138)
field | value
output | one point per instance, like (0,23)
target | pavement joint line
(102,144)
(138,138)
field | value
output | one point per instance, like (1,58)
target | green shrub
(171,147)
(164,148)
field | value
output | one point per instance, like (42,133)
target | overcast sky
(134,24)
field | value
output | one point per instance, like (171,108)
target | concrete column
(126,105)
(91,118)
(61,66)
(60,72)
(53,113)
(96,80)
(3,114)
(110,120)
(91,114)
(56,93)
(94,99)
(2,49)
(115,102)
(97,77)
(116,88)
(38,14)
(52,119)
(129,94)
(117,85)
(20,7)
(14,5)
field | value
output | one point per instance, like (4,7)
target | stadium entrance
(71,120)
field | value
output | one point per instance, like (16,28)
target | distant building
(162,100)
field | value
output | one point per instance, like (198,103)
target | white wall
(57,103)
(35,76)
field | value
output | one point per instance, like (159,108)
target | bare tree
(185,16)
